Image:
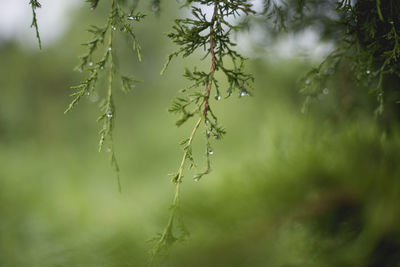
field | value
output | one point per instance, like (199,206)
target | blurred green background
(287,189)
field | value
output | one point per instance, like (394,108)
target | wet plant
(102,43)
(214,37)
(365,35)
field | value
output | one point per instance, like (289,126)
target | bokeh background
(287,188)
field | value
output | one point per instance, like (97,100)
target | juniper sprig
(34,5)
(214,37)
(118,20)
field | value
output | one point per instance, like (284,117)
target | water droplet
(325,91)
(92,8)
(210,152)
(368,72)
(109,49)
(102,138)
(244,94)
(216,136)
(391,22)
(113,27)
(308,81)
(380,94)
(90,63)
(109,115)
(94,97)
(207,121)
(196,179)
(217,97)
(87,93)
(328,72)
(131,18)
(155,8)
(208,132)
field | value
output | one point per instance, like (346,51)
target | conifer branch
(213,59)
(366,36)
(167,238)
(34,5)
(118,20)
(188,33)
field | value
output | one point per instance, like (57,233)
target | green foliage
(287,189)
(365,34)
(93,3)
(212,36)
(34,5)
(188,34)
(103,39)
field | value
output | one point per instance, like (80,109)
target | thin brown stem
(213,59)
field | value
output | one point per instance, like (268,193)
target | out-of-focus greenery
(364,33)
(287,189)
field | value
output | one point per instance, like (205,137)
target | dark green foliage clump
(335,206)
(365,35)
